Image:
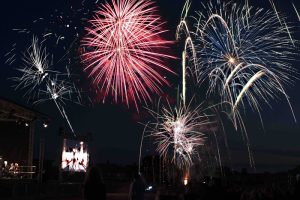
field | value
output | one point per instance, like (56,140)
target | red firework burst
(123,48)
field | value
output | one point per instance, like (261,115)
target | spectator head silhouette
(94,175)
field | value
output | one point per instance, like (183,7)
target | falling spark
(281,21)
(275,10)
(296,12)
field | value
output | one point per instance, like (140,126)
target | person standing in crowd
(1,166)
(137,188)
(94,188)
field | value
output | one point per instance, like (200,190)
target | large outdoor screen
(75,156)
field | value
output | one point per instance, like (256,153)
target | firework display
(41,82)
(177,131)
(123,46)
(239,56)
(246,55)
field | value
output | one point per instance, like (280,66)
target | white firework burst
(178,132)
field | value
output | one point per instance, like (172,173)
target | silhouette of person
(94,188)
(137,188)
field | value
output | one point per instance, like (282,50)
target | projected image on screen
(74,156)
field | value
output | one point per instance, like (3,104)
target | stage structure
(17,127)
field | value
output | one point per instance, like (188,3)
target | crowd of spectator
(242,191)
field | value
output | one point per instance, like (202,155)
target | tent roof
(11,111)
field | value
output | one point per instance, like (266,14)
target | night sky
(115,128)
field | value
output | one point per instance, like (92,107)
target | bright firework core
(54,96)
(231,60)
(178,127)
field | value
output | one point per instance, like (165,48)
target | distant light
(45,125)
(26,124)
(185,181)
(5,163)
(149,188)
(81,143)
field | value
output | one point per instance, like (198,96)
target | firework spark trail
(68,121)
(11,55)
(11,59)
(35,68)
(282,21)
(275,10)
(289,33)
(38,59)
(178,132)
(122,50)
(189,45)
(273,82)
(296,11)
(141,146)
(247,86)
(233,48)
(219,160)
(184,77)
